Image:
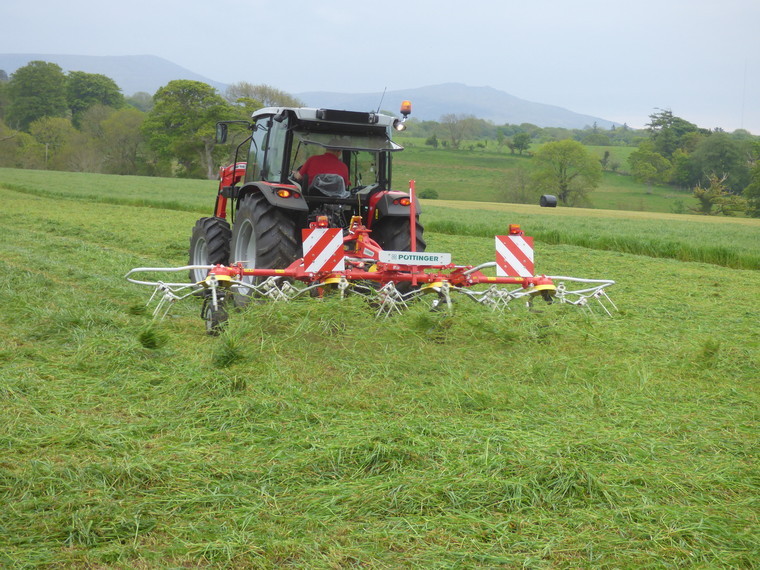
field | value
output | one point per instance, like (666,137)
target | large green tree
(54,133)
(567,169)
(36,90)
(4,100)
(140,100)
(83,90)
(669,132)
(9,145)
(82,153)
(680,171)
(123,141)
(717,199)
(649,166)
(181,125)
(266,95)
(457,128)
(720,155)
(521,142)
(752,191)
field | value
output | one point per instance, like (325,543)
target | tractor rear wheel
(209,245)
(393,234)
(263,236)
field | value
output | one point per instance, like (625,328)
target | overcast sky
(611,59)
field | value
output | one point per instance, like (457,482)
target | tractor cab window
(364,154)
(272,170)
(257,151)
(364,168)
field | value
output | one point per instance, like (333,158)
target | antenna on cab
(381,100)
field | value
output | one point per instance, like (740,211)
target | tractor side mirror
(221,133)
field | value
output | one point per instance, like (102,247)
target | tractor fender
(273,194)
(385,203)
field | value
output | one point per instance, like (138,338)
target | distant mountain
(430,103)
(132,73)
(147,73)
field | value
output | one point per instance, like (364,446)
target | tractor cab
(366,155)
(270,208)
(284,138)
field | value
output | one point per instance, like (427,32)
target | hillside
(147,73)
(433,101)
(133,73)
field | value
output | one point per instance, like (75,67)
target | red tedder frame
(360,250)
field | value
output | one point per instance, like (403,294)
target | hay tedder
(292,238)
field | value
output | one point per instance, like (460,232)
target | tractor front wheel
(263,236)
(209,245)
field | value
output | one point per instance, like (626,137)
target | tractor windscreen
(358,142)
(363,152)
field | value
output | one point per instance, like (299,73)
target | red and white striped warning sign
(323,249)
(514,256)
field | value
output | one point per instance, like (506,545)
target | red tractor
(261,209)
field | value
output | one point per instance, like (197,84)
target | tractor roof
(307,114)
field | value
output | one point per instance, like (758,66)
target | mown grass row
(717,255)
(733,245)
(143,193)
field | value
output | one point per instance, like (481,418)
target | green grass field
(312,435)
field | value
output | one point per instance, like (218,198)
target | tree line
(464,132)
(721,169)
(82,122)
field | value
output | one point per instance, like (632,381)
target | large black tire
(263,236)
(392,234)
(209,245)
